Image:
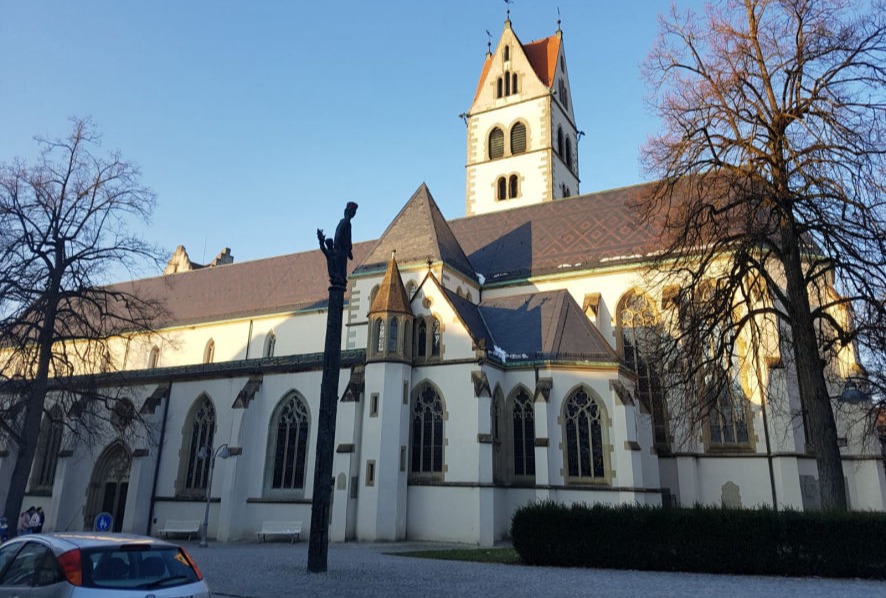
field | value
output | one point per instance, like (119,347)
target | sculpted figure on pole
(338,250)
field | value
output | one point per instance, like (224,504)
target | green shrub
(702,539)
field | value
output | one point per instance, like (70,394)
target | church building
(487,362)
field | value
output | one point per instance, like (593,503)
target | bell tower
(522,142)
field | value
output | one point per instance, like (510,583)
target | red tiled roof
(485,70)
(558,236)
(283,283)
(542,55)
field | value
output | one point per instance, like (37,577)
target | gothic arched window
(392,335)
(421,340)
(270,344)
(154,357)
(638,322)
(514,83)
(499,88)
(48,444)
(209,351)
(524,434)
(560,141)
(288,443)
(583,429)
(501,188)
(199,432)
(427,432)
(496,143)
(379,335)
(518,138)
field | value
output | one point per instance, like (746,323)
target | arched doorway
(108,486)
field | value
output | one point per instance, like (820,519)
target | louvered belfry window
(496,143)
(518,138)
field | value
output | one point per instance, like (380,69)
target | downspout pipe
(157,464)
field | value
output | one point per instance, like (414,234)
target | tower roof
(542,55)
(391,296)
(419,233)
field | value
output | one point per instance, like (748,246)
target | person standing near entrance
(39,517)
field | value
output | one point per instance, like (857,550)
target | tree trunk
(33,412)
(810,378)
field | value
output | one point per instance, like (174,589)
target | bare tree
(64,222)
(772,161)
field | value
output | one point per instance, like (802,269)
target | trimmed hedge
(702,539)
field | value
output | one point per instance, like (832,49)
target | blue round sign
(103,522)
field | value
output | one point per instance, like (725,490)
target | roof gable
(417,234)
(547,324)
(539,57)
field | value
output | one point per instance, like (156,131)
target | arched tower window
(569,152)
(560,141)
(270,344)
(562,94)
(499,88)
(427,433)
(199,432)
(288,444)
(209,352)
(507,83)
(379,335)
(513,82)
(507,53)
(501,189)
(496,143)
(392,335)
(518,138)
(583,417)
(513,186)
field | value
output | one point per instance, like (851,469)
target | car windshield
(136,567)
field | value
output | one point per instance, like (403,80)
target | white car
(100,565)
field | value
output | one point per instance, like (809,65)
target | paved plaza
(279,570)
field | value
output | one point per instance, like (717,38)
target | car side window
(48,572)
(7,554)
(29,562)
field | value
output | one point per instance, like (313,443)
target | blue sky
(255,122)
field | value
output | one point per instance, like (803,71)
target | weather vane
(558,18)
(488,42)
(508,4)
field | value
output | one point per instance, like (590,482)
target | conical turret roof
(391,296)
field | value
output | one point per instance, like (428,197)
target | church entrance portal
(109,486)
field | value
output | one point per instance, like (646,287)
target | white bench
(177,526)
(292,529)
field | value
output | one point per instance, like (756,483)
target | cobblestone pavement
(279,570)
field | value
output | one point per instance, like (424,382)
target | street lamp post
(206,452)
